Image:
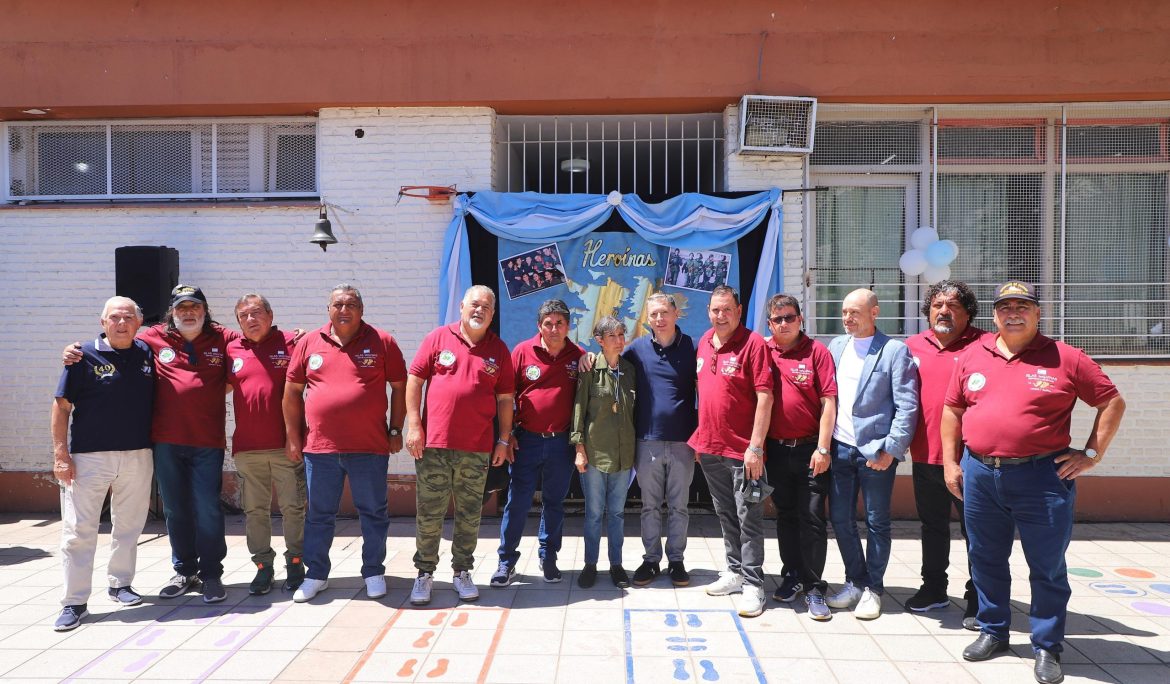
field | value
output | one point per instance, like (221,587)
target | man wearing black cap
(1010,402)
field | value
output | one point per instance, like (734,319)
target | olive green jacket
(608,436)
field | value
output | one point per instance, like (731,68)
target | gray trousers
(664,472)
(742,523)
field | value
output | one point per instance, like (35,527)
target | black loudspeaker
(147,274)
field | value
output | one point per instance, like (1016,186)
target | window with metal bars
(647,155)
(1073,198)
(161,159)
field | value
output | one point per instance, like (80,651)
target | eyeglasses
(787,318)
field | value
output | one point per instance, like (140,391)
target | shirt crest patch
(315,361)
(532,372)
(447,358)
(976,382)
(237,364)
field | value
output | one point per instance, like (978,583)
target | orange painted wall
(124,58)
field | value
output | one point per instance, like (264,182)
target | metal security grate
(779,124)
(1074,198)
(649,155)
(162,159)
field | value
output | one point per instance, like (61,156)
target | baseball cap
(1016,289)
(187,293)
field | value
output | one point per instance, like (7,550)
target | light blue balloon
(941,253)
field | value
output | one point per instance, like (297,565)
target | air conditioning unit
(776,124)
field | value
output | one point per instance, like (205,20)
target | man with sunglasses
(1007,416)
(804,411)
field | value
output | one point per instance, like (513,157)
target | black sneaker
(213,591)
(788,590)
(928,599)
(617,573)
(588,576)
(505,575)
(294,574)
(124,596)
(551,572)
(679,576)
(262,582)
(179,585)
(70,618)
(646,573)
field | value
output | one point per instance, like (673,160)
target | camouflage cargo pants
(441,474)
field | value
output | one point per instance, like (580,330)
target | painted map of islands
(590,301)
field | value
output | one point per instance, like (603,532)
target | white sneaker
(376,586)
(869,607)
(464,586)
(309,588)
(728,583)
(420,593)
(751,602)
(846,597)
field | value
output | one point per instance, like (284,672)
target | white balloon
(913,262)
(923,237)
(933,274)
(942,253)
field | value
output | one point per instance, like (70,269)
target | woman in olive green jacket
(603,430)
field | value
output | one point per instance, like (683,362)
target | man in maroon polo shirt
(949,306)
(546,382)
(735,407)
(1010,403)
(345,366)
(258,363)
(469,381)
(804,411)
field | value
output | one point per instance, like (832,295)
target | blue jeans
(325,477)
(605,496)
(190,480)
(850,476)
(1032,498)
(550,462)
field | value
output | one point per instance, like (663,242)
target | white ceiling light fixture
(575,165)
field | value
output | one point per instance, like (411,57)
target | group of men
(986,417)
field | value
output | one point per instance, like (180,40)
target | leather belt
(998,461)
(811,439)
(545,435)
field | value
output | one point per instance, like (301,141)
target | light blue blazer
(885,412)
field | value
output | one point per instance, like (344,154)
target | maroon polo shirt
(462,384)
(545,385)
(935,364)
(1023,405)
(802,376)
(728,380)
(345,389)
(256,372)
(189,406)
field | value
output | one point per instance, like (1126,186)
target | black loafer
(970,622)
(1047,669)
(984,647)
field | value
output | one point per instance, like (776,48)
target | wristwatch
(822,451)
(1093,455)
(502,442)
(758,451)
(395,432)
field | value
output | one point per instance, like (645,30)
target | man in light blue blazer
(877,411)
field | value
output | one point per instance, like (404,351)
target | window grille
(162,159)
(1073,198)
(648,155)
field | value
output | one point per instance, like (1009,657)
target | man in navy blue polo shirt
(665,417)
(110,395)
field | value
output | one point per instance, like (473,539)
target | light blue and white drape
(688,221)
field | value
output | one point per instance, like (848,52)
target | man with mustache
(949,307)
(1007,416)
(469,381)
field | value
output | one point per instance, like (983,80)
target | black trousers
(801,515)
(934,502)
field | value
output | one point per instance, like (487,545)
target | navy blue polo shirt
(665,407)
(112,392)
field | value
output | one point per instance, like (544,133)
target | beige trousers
(261,470)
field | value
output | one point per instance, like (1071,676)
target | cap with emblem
(1016,289)
(187,293)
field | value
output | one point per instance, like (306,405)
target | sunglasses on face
(787,318)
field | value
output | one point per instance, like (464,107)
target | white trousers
(128,474)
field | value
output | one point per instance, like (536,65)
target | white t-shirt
(848,378)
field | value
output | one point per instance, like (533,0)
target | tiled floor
(1118,628)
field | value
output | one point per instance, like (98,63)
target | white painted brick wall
(58,262)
